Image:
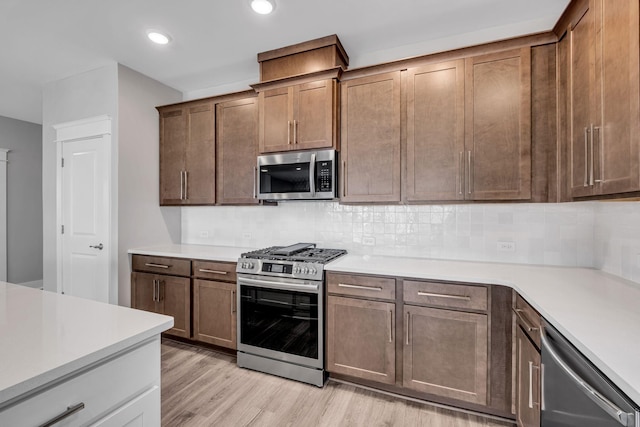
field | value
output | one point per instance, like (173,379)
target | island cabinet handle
(368,288)
(70,411)
(204,270)
(429,294)
(150,264)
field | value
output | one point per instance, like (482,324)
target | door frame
(98,127)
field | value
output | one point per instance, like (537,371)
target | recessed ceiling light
(263,7)
(158,37)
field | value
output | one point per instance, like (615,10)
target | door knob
(100,246)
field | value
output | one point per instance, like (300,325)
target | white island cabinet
(66,361)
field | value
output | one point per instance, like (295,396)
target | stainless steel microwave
(301,175)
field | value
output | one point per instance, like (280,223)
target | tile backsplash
(550,234)
(617,239)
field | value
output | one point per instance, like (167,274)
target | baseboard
(37,284)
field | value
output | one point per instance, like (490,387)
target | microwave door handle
(312,175)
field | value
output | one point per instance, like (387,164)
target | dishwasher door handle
(605,404)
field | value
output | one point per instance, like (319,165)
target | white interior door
(85,218)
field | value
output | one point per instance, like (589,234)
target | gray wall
(24,199)
(141,220)
(85,95)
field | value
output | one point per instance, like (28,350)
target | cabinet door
(498,126)
(175,301)
(237,146)
(527,382)
(314,114)
(276,121)
(142,411)
(199,182)
(143,294)
(361,339)
(582,102)
(617,143)
(172,146)
(214,312)
(445,353)
(370,142)
(435,132)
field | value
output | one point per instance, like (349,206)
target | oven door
(281,319)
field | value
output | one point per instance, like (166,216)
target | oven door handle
(605,404)
(278,285)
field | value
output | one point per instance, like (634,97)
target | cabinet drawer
(361,286)
(445,295)
(224,271)
(161,265)
(101,389)
(529,319)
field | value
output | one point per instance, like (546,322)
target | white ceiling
(215,42)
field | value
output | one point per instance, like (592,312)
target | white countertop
(202,252)
(45,336)
(598,312)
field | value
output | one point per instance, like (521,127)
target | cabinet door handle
(159,294)
(70,411)
(408,319)
(288,132)
(591,182)
(204,270)
(367,288)
(600,155)
(469,175)
(153,298)
(295,132)
(181,185)
(586,157)
(527,325)
(255,180)
(460,172)
(233,301)
(429,294)
(186,185)
(390,325)
(150,264)
(531,368)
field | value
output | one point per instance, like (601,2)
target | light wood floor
(201,387)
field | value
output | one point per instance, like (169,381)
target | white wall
(141,221)
(24,199)
(551,234)
(88,94)
(617,238)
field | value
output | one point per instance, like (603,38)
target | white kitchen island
(60,353)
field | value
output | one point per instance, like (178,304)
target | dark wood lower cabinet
(527,381)
(445,353)
(360,339)
(163,294)
(214,313)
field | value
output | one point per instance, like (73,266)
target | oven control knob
(250,265)
(306,270)
(244,265)
(296,269)
(312,270)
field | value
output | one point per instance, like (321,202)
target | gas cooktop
(301,252)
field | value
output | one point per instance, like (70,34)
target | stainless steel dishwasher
(576,393)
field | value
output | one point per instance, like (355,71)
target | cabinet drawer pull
(527,325)
(367,288)
(204,270)
(150,264)
(429,294)
(70,411)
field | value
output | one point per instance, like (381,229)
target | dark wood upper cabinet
(237,146)
(187,154)
(435,132)
(498,126)
(298,117)
(604,92)
(370,139)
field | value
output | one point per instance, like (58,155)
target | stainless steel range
(281,311)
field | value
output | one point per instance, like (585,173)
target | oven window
(285,321)
(288,178)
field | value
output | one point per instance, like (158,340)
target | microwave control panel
(324,176)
